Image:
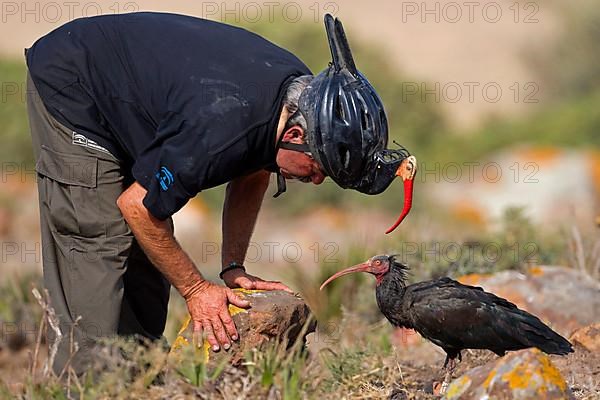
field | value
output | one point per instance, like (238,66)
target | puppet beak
(406,171)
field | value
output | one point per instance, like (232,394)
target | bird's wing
(457,316)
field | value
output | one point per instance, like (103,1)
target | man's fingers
(229,325)
(197,339)
(272,285)
(220,333)
(210,336)
(248,284)
(236,300)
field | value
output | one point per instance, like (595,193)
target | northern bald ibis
(455,316)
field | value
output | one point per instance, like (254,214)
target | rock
(525,374)
(587,337)
(273,315)
(554,294)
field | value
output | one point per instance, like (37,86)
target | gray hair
(290,100)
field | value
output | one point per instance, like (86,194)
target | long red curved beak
(406,171)
(363,267)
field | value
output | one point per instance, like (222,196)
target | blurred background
(498,100)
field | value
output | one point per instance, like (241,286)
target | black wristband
(231,266)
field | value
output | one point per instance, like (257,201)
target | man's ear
(294,134)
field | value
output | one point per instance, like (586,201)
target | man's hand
(238,278)
(208,307)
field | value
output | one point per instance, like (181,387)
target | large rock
(587,337)
(554,294)
(525,374)
(274,315)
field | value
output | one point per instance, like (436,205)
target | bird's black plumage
(456,316)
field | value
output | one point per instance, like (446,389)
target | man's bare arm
(206,301)
(243,200)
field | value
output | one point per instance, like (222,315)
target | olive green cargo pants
(94,269)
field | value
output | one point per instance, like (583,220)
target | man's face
(298,165)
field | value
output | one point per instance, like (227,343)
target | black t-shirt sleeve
(167,167)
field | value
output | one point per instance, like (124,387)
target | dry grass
(354,354)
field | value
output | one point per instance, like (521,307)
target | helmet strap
(281,187)
(300,147)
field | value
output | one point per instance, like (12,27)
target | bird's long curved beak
(406,171)
(362,267)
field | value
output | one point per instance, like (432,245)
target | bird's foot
(449,366)
(445,383)
(444,387)
(440,388)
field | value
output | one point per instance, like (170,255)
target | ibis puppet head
(379,266)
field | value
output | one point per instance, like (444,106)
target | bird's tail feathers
(535,333)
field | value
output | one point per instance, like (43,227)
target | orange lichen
(473,279)
(535,271)
(539,155)
(470,213)
(511,294)
(594,167)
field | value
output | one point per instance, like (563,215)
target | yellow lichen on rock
(272,316)
(519,377)
(522,375)
(179,342)
(205,351)
(489,378)
(247,291)
(186,323)
(551,374)
(525,374)
(458,387)
(233,310)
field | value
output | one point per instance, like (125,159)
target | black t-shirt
(186,103)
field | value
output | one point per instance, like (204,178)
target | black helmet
(347,130)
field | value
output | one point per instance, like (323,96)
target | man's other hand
(208,307)
(238,278)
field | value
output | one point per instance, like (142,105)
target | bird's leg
(449,366)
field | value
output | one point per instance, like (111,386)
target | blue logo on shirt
(165,178)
